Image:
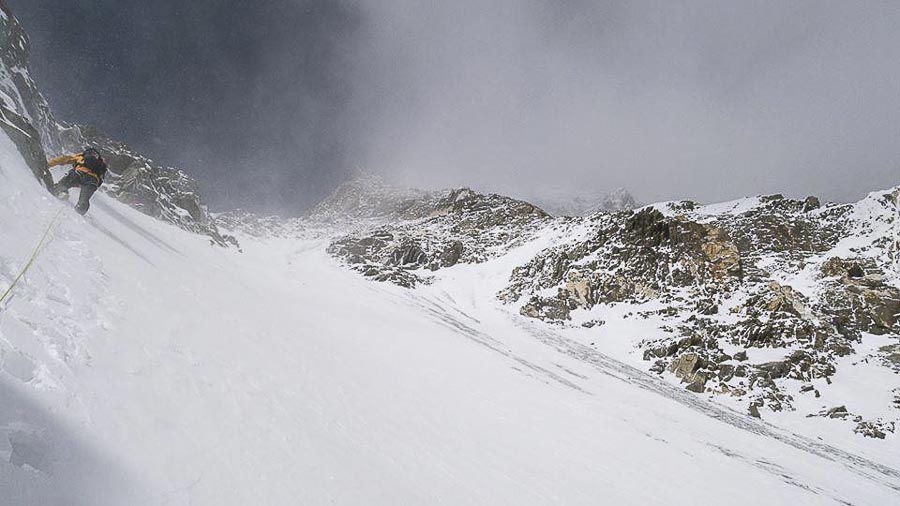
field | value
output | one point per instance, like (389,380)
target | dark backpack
(94,162)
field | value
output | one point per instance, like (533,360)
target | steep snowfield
(140,365)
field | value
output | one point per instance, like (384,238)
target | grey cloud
(707,100)
(271,104)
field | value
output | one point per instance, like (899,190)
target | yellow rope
(34,255)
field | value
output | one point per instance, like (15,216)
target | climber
(88,169)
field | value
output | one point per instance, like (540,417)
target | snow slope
(140,365)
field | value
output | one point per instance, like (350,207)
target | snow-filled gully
(140,365)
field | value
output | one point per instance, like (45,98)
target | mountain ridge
(761,299)
(756,276)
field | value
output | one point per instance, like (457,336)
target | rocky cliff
(18,91)
(437,230)
(164,193)
(758,299)
(168,194)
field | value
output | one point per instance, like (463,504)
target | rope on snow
(31,259)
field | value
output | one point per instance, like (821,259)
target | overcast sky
(271,103)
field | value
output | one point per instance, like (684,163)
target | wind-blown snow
(140,365)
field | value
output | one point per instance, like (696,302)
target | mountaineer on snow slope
(88,169)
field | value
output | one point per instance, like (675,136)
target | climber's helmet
(91,152)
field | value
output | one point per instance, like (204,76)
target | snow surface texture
(141,365)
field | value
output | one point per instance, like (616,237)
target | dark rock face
(839,267)
(164,193)
(688,368)
(552,310)
(811,203)
(18,91)
(890,356)
(451,254)
(24,114)
(861,303)
(28,142)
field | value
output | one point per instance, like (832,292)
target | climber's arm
(62,160)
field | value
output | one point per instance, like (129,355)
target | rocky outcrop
(28,142)
(785,226)
(164,193)
(877,428)
(438,230)
(722,281)
(760,299)
(858,299)
(688,368)
(890,358)
(631,257)
(24,114)
(18,91)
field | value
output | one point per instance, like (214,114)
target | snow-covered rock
(438,230)
(19,92)
(165,193)
(803,281)
(792,284)
(760,300)
(25,116)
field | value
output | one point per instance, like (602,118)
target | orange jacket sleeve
(62,160)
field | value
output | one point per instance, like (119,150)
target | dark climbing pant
(88,185)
